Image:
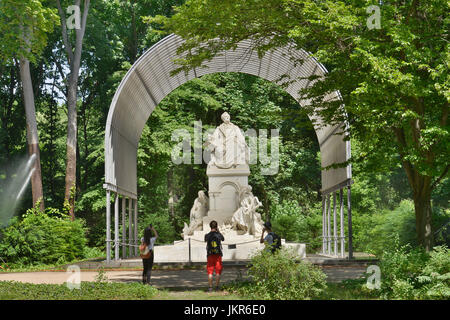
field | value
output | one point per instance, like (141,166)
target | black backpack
(276,244)
(214,245)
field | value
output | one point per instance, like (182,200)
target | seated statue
(198,211)
(245,218)
(227,145)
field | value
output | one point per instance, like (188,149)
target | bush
(283,276)
(291,224)
(414,274)
(43,238)
(373,233)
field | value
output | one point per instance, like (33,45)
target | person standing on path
(147,255)
(214,254)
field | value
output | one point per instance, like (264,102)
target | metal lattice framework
(149,81)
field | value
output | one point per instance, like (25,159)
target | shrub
(43,238)
(374,232)
(283,276)
(435,277)
(292,224)
(414,274)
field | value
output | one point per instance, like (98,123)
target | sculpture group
(231,201)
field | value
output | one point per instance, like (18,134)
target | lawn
(11,290)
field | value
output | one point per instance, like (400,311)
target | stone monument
(230,202)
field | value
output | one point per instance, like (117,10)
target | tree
(74,61)
(394,80)
(24,26)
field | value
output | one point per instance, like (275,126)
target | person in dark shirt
(214,254)
(149,240)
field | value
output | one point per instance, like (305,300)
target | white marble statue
(245,218)
(227,145)
(198,211)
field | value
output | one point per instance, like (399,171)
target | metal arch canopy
(149,81)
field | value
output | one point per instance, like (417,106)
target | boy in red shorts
(214,254)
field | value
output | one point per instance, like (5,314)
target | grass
(12,290)
(349,290)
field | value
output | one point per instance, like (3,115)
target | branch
(79,36)
(84,19)
(64,33)
(435,183)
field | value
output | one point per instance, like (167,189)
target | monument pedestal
(224,188)
(236,247)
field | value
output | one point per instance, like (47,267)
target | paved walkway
(170,279)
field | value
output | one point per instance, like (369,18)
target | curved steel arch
(149,81)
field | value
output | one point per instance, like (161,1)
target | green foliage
(163,225)
(372,233)
(282,276)
(414,274)
(24,25)
(88,291)
(351,289)
(295,224)
(43,238)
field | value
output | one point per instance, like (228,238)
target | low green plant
(101,276)
(47,237)
(281,276)
(292,223)
(411,273)
(10,290)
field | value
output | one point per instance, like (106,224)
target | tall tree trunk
(74,59)
(32,133)
(71,144)
(422,206)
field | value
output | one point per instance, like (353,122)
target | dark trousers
(147,273)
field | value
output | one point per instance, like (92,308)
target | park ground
(167,284)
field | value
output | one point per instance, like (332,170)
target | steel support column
(135,227)
(335,225)
(108,226)
(124,230)
(350,233)
(341,205)
(130,227)
(116,228)
(329,225)
(324,241)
